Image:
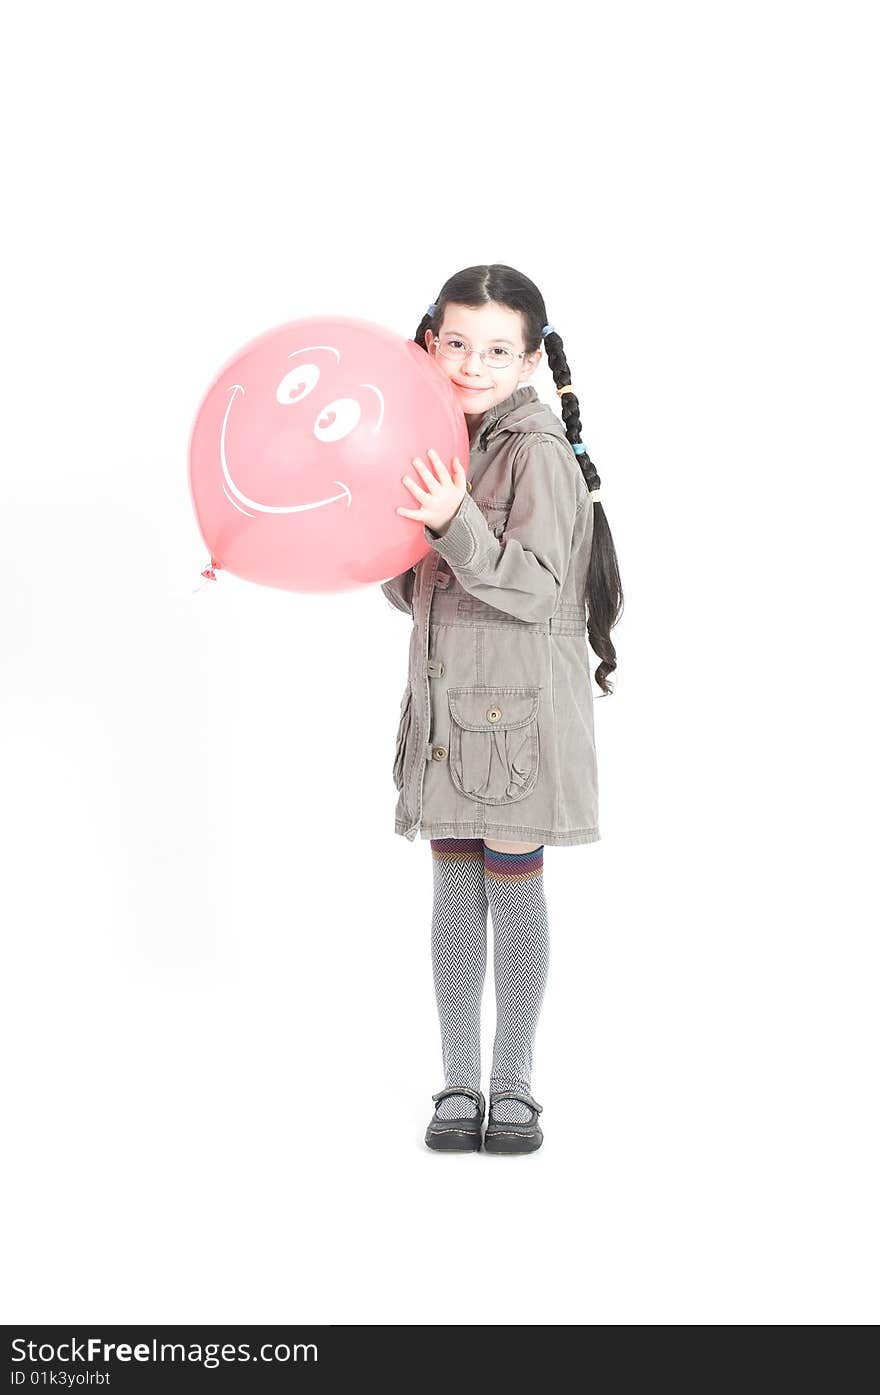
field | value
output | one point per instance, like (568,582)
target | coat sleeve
(399,589)
(521,573)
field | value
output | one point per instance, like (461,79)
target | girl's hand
(441,494)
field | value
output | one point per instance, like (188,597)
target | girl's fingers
(439,466)
(430,492)
(427,475)
(415,489)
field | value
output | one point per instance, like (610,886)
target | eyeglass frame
(462,358)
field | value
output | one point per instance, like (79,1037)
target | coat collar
(520,395)
(521,411)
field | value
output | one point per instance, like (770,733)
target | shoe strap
(522,1096)
(477,1096)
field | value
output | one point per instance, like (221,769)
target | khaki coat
(495,734)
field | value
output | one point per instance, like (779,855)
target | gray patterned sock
(458,958)
(515,891)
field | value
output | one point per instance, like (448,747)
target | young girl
(495,756)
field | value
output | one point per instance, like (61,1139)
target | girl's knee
(496,845)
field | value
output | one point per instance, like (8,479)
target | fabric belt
(468,610)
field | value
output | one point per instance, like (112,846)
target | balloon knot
(209,570)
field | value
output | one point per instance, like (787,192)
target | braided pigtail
(604,592)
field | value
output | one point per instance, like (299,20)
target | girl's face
(478,385)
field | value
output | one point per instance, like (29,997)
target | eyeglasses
(496,356)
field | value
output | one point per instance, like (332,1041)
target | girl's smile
(481,327)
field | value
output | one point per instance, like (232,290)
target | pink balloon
(299,447)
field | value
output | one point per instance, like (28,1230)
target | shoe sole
(511,1146)
(442,1143)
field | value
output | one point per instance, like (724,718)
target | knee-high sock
(458,958)
(515,892)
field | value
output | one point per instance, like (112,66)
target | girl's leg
(458,958)
(515,891)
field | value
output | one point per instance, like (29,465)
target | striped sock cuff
(457,849)
(513,867)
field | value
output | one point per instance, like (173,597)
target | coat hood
(522,412)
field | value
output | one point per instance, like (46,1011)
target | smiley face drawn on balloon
(306,401)
(335,420)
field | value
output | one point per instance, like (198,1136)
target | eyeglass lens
(496,356)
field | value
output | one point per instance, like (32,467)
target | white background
(219,1029)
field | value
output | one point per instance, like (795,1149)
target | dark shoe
(457,1135)
(513,1138)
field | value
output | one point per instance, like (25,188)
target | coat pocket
(496,513)
(493,742)
(402,734)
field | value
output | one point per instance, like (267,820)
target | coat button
(439,753)
(469,487)
(494,714)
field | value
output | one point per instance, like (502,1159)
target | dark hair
(502,285)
